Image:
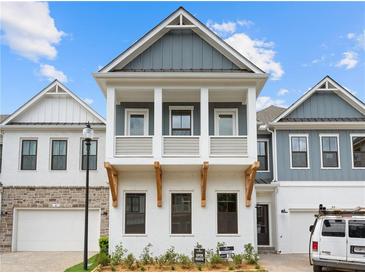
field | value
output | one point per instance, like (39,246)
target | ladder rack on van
(338,211)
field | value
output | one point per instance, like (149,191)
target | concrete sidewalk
(285,262)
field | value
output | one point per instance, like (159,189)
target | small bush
(118,255)
(237,259)
(143,269)
(215,260)
(230,268)
(129,261)
(146,255)
(169,257)
(103,259)
(200,268)
(184,261)
(250,256)
(104,244)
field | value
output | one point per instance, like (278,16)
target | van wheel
(317,268)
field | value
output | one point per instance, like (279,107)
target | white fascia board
(50,127)
(342,92)
(318,125)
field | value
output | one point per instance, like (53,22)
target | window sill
(181,235)
(228,235)
(135,235)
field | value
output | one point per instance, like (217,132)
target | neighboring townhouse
(181,135)
(43,174)
(318,158)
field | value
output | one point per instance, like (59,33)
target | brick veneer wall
(46,197)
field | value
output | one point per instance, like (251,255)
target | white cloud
(266,101)
(88,101)
(350,35)
(229,27)
(29,30)
(260,52)
(51,73)
(245,23)
(359,39)
(349,60)
(282,91)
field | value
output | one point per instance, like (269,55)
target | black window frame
(334,152)
(226,225)
(359,154)
(175,215)
(299,152)
(337,234)
(134,196)
(265,156)
(181,129)
(53,156)
(83,156)
(28,155)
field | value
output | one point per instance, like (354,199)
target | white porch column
(251,123)
(204,124)
(157,138)
(110,123)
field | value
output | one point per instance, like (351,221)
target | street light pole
(88,134)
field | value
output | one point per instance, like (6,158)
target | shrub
(250,256)
(169,257)
(146,255)
(118,254)
(215,260)
(143,269)
(103,259)
(129,261)
(184,261)
(104,244)
(200,267)
(237,259)
(230,268)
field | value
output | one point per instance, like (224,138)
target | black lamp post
(88,133)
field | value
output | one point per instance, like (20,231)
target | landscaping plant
(118,255)
(104,244)
(146,255)
(129,261)
(250,256)
(103,259)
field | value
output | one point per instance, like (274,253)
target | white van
(338,240)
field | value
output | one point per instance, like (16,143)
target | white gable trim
(340,91)
(199,28)
(55,84)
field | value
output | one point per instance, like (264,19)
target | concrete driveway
(39,261)
(285,262)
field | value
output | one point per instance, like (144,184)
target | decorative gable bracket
(113,182)
(250,175)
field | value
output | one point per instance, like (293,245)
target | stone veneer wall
(46,197)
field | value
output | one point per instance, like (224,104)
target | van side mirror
(311,228)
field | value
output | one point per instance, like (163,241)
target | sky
(297,43)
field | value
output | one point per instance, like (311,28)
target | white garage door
(299,231)
(54,230)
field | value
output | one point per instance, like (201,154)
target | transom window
(29,155)
(181,213)
(59,155)
(263,154)
(226,122)
(330,153)
(358,151)
(299,151)
(227,213)
(93,156)
(181,120)
(136,122)
(135,213)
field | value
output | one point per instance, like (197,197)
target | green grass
(80,267)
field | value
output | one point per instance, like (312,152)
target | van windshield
(357,229)
(333,228)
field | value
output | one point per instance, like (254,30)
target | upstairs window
(181,213)
(263,154)
(226,122)
(93,158)
(29,155)
(330,151)
(181,120)
(358,151)
(136,122)
(299,151)
(227,213)
(59,155)
(135,213)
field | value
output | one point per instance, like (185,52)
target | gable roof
(268,114)
(326,84)
(55,87)
(181,19)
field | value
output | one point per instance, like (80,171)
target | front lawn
(80,267)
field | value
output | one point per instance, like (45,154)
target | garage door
(54,230)
(299,231)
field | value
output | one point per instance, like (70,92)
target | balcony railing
(133,146)
(228,146)
(181,146)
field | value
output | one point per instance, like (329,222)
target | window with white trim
(330,151)
(226,122)
(263,154)
(135,213)
(358,151)
(227,207)
(299,151)
(136,122)
(180,213)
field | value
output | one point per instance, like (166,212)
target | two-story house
(310,153)
(181,135)
(43,163)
